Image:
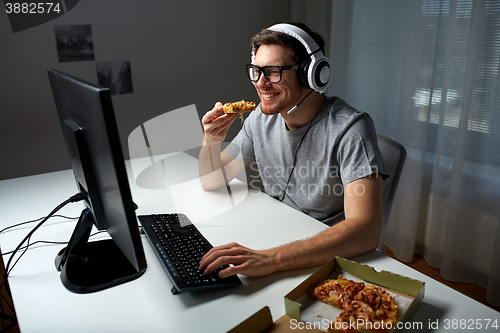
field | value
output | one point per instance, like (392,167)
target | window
(457,73)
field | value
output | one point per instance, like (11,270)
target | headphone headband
(298,34)
(315,73)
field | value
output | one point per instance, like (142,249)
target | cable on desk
(75,198)
(33,221)
(37,242)
(47,242)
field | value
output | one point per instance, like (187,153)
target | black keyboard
(180,247)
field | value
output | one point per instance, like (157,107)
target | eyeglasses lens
(272,73)
(253,73)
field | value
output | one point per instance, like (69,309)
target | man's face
(282,96)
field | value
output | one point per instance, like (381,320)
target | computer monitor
(88,124)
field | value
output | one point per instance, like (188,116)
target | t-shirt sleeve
(358,153)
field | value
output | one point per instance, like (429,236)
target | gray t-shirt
(336,148)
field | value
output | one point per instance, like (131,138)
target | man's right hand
(216,124)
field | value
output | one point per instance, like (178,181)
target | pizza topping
(363,306)
(239,107)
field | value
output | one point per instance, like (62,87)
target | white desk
(146,305)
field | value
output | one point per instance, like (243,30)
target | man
(322,159)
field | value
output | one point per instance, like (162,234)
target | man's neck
(304,113)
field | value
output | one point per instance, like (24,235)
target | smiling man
(315,153)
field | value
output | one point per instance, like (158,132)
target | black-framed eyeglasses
(272,74)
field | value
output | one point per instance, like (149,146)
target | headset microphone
(296,106)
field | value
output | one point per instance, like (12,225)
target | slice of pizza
(383,306)
(335,292)
(357,316)
(364,306)
(239,107)
(353,318)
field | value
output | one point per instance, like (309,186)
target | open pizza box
(308,315)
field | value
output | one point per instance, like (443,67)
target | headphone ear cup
(321,74)
(302,74)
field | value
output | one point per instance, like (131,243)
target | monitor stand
(92,266)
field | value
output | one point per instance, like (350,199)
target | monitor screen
(88,124)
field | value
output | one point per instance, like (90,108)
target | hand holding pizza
(216,124)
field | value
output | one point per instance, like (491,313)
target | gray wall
(181,53)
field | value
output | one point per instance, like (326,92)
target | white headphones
(315,72)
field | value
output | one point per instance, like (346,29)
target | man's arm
(357,234)
(216,168)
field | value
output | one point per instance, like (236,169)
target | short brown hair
(299,52)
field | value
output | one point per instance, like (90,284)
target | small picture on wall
(74,42)
(115,75)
